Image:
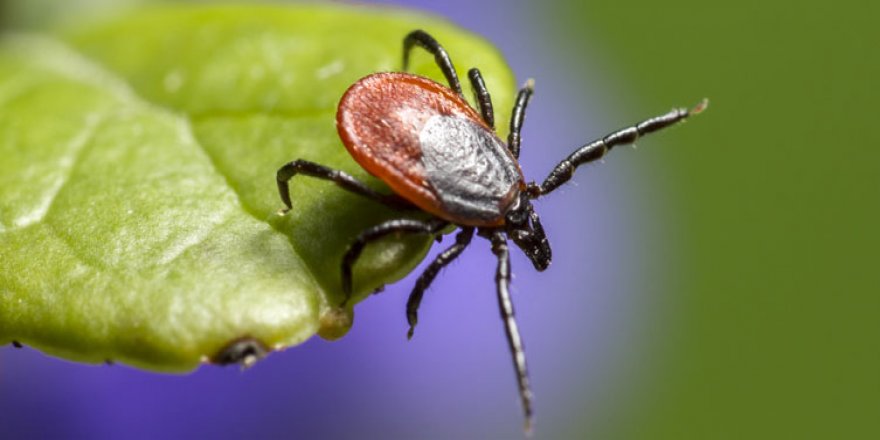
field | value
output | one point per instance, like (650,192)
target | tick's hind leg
(426,41)
(415,298)
(344,180)
(401,226)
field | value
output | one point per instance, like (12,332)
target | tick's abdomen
(430,147)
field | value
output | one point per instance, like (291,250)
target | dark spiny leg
(519,114)
(342,179)
(426,41)
(415,298)
(377,232)
(596,149)
(502,281)
(481,94)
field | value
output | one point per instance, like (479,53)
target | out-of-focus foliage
(773,319)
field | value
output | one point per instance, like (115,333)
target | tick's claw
(700,107)
(528,427)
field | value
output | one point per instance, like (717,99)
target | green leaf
(138,210)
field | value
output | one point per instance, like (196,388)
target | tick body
(430,147)
(442,156)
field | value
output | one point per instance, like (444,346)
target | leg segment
(502,280)
(426,41)
(596,149)
(415,298)
(375,233)
(344,180)
(481,93)
(518,116)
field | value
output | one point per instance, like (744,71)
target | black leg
(596,149)
(519,114)
(342,179)
(502,281)
(481,94)
(426,41)
(401,226)
(415,298)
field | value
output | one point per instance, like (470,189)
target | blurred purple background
(583,320)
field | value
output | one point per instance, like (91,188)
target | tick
(441,156)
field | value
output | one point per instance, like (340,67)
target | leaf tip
(336,322)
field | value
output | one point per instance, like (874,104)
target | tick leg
(344,180)
(502,282)
(519,115)
(598,148)
(415,298)
(426,41)
(375,233)
(481,94)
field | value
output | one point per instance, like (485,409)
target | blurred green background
(776,287)
(773,285)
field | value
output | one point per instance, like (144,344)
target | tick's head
(524,228)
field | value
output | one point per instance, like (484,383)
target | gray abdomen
(472,172)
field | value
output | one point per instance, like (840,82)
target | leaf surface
(138,210)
